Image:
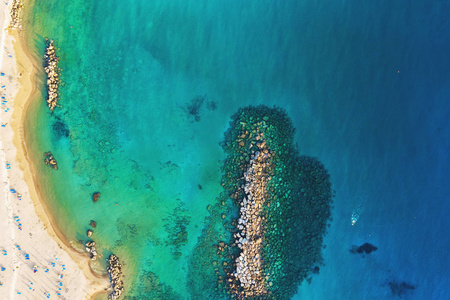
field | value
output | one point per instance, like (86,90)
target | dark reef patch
(127,231)
(60,129)
(193,107)
(150,287)
(365,248)
(176,227)
(291,218)
(400,289)
(211,105)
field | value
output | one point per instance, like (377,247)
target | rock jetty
(115,276)
(52,70)
(249,236)
(90,247)
(264,234)
(15,13)
(50,160)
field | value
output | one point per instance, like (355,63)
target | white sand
(36,237)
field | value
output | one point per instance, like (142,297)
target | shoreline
(28,87)
(25,77)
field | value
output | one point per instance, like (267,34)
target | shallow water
(365,84)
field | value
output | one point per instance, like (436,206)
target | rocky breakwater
(249,237)
(115,276)
(15,13)
(90,248)
(50,160)
(263,236)
(52,70)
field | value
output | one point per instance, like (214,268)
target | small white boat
(356,213)
(355,216)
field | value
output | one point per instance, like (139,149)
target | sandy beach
(36,262)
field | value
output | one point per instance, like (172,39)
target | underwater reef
(400,288)
(365,248)
(264,234)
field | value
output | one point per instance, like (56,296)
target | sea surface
(149,88)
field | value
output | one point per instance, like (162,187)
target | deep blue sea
(149,89)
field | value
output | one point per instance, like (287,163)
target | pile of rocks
(16,9)
(249,237)
(115,273)
(50,160)
(95,196)
(282,201)
(90,247)
(52,70)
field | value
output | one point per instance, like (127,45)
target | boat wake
(356,213)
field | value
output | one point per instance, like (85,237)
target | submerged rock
(193,108)
(95,196)
(50,160)
(316,270)
(176,225)
(60,129)
(364,248)
(211,105)
(400,289)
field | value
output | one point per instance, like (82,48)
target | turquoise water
(149,88)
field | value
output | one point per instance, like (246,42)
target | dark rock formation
(400,289)
(152,287)
(193,108)
(60,129)
(93,223)
(95,196)
(211,105)
(176,225)
(90,247)
(365,248)
(50,160)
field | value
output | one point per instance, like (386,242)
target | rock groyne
(52,71)
(115,276)
(264,234)
(15,13)
(249,236)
